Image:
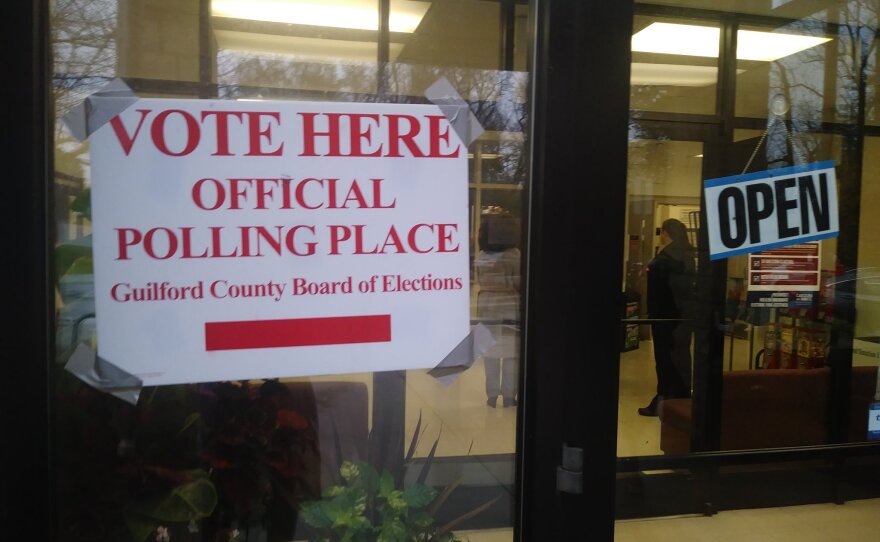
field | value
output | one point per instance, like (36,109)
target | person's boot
(652,409)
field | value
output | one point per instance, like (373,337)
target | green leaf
(192,500)
(350,472)
(396,501)
(334,491)
(386,484)
(393,531)
(314,514)
(369,479)
(419,495)
(421,520)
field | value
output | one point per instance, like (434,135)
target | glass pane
(793,322)
(663,185)
(783,9)
(790,61)
(674,65)
(866,346)
(259,459)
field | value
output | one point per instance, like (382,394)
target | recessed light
(406,15)
(702,41)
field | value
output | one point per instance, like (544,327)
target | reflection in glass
(672,74)
(241,459)
(663,183)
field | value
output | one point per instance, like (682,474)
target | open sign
(767,209)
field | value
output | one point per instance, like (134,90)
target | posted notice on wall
(770,209)
(242,240)
(785,277)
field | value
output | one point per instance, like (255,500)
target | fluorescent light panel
(693,40)
(406,15)
(305,49)
(678,75)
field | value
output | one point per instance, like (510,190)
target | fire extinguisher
(770,353)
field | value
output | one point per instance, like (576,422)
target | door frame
(579,151)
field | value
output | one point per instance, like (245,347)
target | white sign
(768,209)
(238,240)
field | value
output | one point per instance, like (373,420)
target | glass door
(749,391)
(348,453)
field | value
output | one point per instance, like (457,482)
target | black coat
(671,282)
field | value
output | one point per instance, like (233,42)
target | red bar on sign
(297,332)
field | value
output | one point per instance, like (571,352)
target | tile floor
(855,521)
(457,413)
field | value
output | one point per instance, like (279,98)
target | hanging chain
(788,136)
(758,146)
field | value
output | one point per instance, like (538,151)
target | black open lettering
(782,207)
(727,196)
(757,214)
(818,204)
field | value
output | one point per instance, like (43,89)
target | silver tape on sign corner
(99,108)
(463,121)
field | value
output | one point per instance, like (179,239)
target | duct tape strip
(102,375)
(463,121)
(99,109)
(460,359)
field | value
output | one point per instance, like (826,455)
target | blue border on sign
(872,408)
(768,174)
(758,248)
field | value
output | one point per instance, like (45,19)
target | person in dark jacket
(670,292)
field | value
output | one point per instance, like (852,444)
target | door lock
(570,475)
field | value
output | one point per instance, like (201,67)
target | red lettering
(393,239)
(290,239)
(126,237)
(216,242)
(186,234)
(359,133)
(359,240)
(219,197)
(377,196)
(222,120)
(264,190)
(237,191)
(256,135)
(300,193)
(310,133)
(338,234)
(150,249)
(192,132)
(122,134)
(395,136)
(436,136)
(354,194)
(444,237)
(411,238)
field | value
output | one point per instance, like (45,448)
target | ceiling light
(770,46)
(299,48)
(677,39)
(406,15)
(693,40)
(678,75)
